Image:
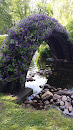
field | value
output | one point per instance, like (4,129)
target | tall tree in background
(19,9)
(63,10)
(44,7)
(5,17)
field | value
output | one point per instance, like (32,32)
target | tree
(44,7)
(5,17)
(69,28)
(19,9)
(62,11)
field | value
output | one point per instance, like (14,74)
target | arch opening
(56,48)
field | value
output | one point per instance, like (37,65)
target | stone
(47,86)
(36,97)
(46,102)
(61,103)
(45,90)
(56,96)
(67,104)
(41,86)
(70,109)
(55,90)
(41,107)
(59,89)
(57,103)
(52,90)
(25,92)
(27,105)
(63,92)
(65,89)
(30,79)
(64,98)
(47,95)
(72,97)
(72,102)
(45,107)
(32,74)
(51,100)
(41,72)
(34,101)
(26,101)
(34,92)
(30,102)
(58,100)
(68,99)
(62,108)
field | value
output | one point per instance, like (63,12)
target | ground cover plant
(14,116)
(21,43)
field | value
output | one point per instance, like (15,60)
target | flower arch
(24,39)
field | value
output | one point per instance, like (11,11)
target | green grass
(14,117)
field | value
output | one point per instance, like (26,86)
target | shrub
(21,43)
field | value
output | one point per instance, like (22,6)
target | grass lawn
(15,117)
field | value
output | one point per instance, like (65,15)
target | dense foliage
(43,51)
(69,28)
(5,17)
(21,43)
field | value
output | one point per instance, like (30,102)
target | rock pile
(51,96)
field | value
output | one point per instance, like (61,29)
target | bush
(21,43)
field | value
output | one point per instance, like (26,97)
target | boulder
(70,109)
(64,98)
(46,86)
(36,97)
(34,101)
(46,102)
(30,79)
(72,102)
(62,108)
(30,102)
(68,99)
(63,92)
(59,89)
(59,100)
(32,74)
(56,96)
(61,103)
(65,89)
(25,92)
(67,104)
(57,103)
(51,100)
(47,95)
(27,105)
(72,97)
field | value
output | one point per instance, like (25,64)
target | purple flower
(23,40)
